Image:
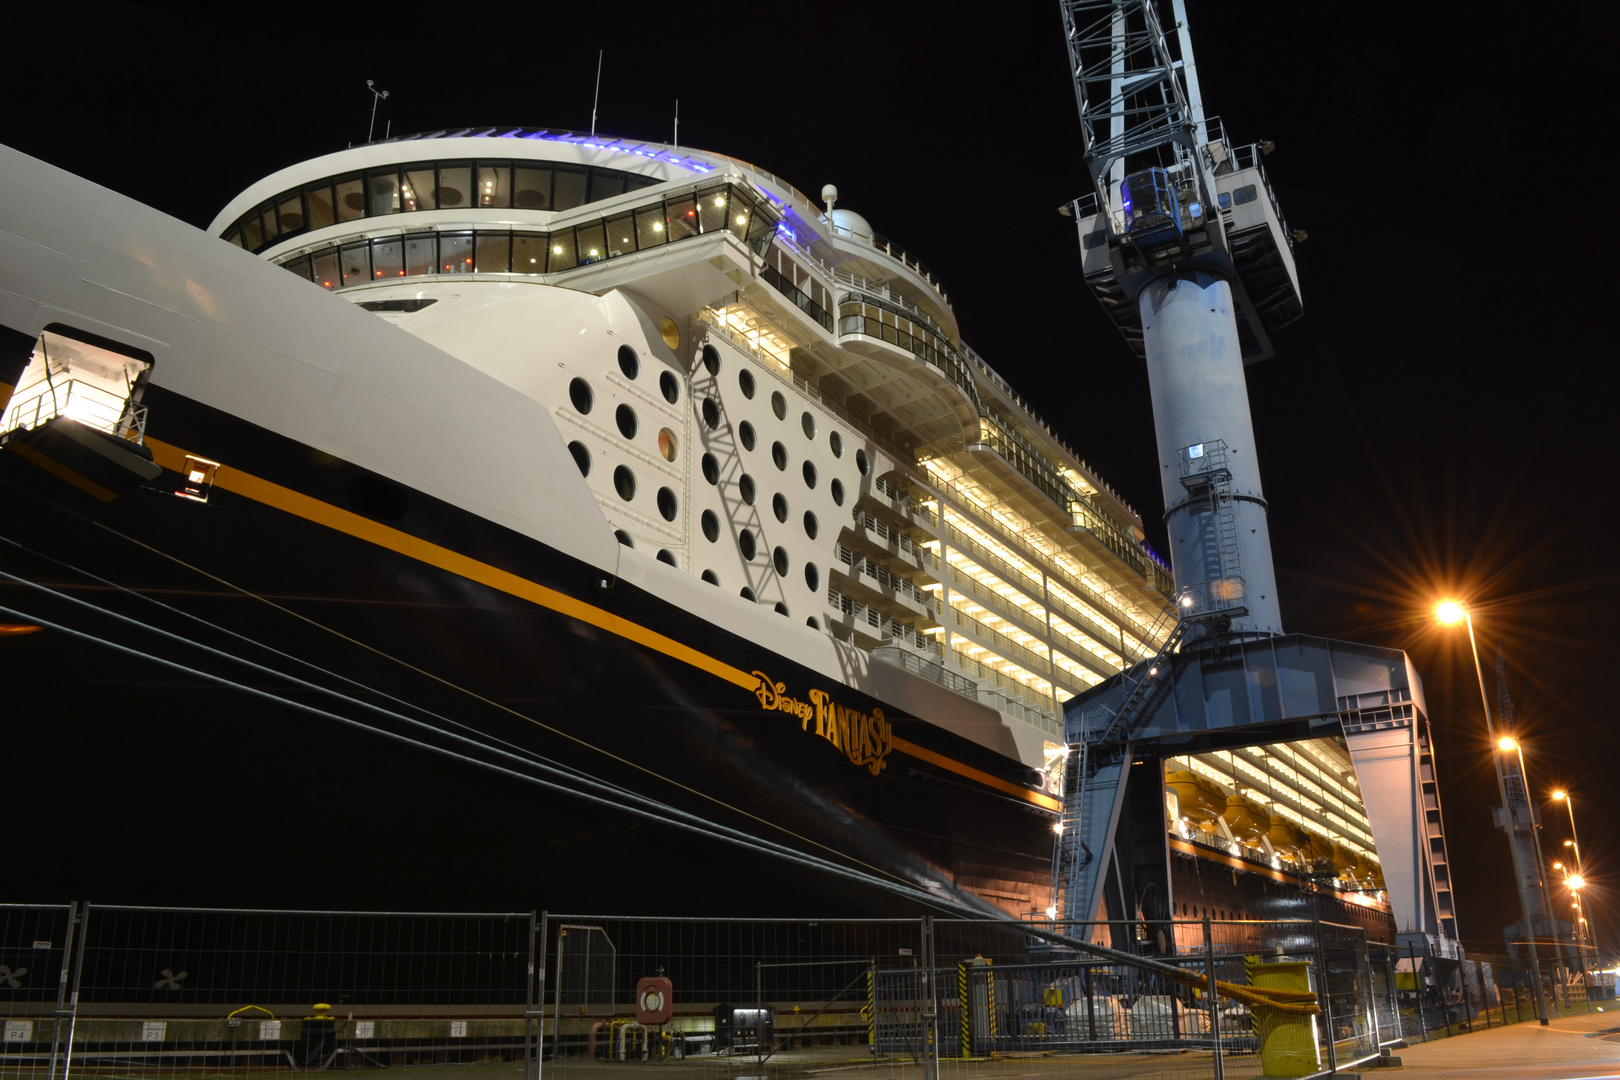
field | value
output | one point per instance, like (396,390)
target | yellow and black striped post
(966,1010)
(871,1006)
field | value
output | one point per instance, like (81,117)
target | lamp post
(1451,612)
(1575,843)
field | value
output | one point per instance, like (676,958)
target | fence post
(540,987)
(1394,995)
(1214,1001)
(1417,992)
(62,986)
(1326,998)
(930,1003)
(73,995)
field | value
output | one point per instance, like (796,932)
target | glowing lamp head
(1051,911)
(1575,881)
(1569,843)
(1560,796)
(1450,612)
(1507,744)
(1057,827)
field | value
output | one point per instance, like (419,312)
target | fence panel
(36,947)
(171,990)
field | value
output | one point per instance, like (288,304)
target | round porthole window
(711,526)
(629,362)
(779,506)
(579,392)
(746,544)
(745,435)
(812,623)
(809,475)
(668,505)
(669,332)
(808,423)
(779,559)
(811,525)
(779,404)
(747,594)
(624,538)
(670,387)
(625,417)
(582,457)
(862,462)
(711,469)
(624,482)
(836,442)
(711,413)
(781,608)
(779,455)
(745,382)
(837,489)
(667,446)
(812,577)
(711,359)
(667,556)
(745,488)
(711,577)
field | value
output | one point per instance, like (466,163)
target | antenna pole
(598,98)
(376,96)
(677,123)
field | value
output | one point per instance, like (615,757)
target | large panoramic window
(431,185)
(524,251)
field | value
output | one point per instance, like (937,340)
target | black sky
(1438,423)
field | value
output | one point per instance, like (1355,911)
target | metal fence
(110,990)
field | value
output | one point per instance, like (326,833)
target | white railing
(76,399)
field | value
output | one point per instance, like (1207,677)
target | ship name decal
(864,738)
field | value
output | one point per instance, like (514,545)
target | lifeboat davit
(1199,798)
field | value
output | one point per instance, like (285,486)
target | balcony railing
(77,399)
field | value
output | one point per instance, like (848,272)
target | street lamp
(1575,845)
(1451,612)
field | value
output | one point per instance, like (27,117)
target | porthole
(711,413)
(582,457)
(745,488)
(745,382)
(836,442)
(808,423)
(812,576)
(667,445)
(746,544)
(629,362)
(625,417)
(748,594)
(779,506)
(862,462)
(781,608)
(779,404)
(809,475)
(779,559)
(837,489)
(624,482)
(711,526)
(745,435)
(779,456)
(624,538)
(579,392)
(811,525)
(711,577)
(670,387)
(812,623)
(711,469)
(667,556)
(668,505)
(669,332)
(711,359)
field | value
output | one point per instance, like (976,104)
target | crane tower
(1183,243)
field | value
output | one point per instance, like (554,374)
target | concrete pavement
(1576,1048)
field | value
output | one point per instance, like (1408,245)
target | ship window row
(429,185)
(521,251)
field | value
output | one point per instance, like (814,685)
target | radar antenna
(376,96)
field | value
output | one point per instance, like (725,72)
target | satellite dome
(852,224)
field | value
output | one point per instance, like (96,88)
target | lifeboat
(1287,837)
(1247,819)
(1344,860)
(1200,799)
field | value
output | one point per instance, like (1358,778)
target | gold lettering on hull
(864,738)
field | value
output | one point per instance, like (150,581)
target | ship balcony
(885,541)
(870,627)
(883,589)
(1098,663)
(888,499)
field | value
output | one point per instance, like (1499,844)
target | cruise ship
(623,456)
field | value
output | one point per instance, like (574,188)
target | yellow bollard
(1288,1044)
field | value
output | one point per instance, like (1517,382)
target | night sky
(1435,424)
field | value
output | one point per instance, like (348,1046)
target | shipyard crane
(1184,245)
